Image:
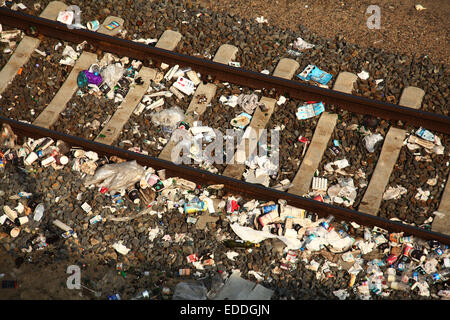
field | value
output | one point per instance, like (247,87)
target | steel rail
(294,89)
(232,185)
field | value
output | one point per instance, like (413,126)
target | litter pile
(376,260)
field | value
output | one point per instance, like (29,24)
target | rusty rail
(223,72)
(235,186)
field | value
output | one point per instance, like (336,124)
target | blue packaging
(436,276)
(313,73)
(267,209)
(309,110)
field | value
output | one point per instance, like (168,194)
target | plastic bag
(256,236)
(112,73)
(117,175)
(301,44)
(168,117)
(313,73)
(249,102)
(190,291)
(372,140)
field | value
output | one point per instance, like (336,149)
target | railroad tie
(441,222)
(322,134)
(111,131)
(26,47)
(224,54)
(411,98)
(285,69)
(51,113)
(169,40)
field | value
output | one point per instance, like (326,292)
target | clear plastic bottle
(307,240)
(39,212)
(142,295)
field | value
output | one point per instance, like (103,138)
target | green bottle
(240,244)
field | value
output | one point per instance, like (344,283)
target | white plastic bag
(117,176)
(371,141)
(112,73)
(168,117)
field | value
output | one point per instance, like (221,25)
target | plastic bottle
(308,239)
(39,212)
(326,223)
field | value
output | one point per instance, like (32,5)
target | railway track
(105,141)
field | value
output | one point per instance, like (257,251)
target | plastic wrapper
(313,73)
(190,291)
(371,141)
(117,176)
(309,110)
(168,118)
(111,74)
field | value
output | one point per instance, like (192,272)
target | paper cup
(14,232)
(32,157)
(23,220)
(93,25)
(61,160)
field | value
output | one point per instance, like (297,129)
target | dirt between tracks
(403,29)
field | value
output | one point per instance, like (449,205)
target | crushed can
(334,150)
(97,218)
(391,259)
(407,249)
(395,237)
(104,88)
(192,258)
(417,255)
(184,125)
(67,234)
(134,196)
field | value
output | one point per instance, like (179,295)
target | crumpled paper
(422,195)
(153,233)
(344,192)
(371,141)
(301,44)
(249,102)
(394,193)
(120,248)
(231,255)
(342,294)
